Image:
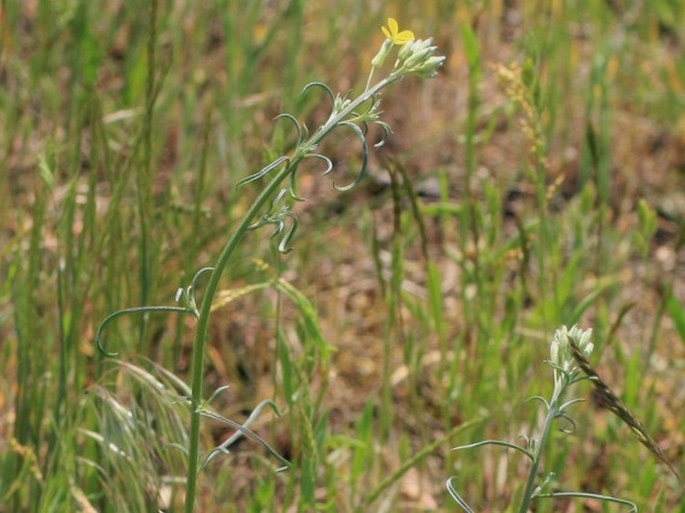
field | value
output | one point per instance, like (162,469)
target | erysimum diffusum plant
(569,350)
(274,206)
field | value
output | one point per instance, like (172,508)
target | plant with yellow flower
(274,206)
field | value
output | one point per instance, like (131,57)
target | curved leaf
(496,442)
(365,157)
(127,311)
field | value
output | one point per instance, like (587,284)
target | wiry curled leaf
(127,311)
(572,429)
(264,171)
(198,274)
(274,203)
(295,122)
(570,403)
(186,297)
(217,393)
(320,85)
(253,416)
(455,495)
(242,430)
(283,245)
(386,133)
(365,157)
(274,211)
(539,398)
(594,496)
(292,187)
(280,228)
(277,216)
(501,443)
(329,162)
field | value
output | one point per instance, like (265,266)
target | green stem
(197,364)
(552,413)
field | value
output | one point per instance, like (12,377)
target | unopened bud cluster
(418,57)
(560,348)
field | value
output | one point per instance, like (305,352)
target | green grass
(401,325)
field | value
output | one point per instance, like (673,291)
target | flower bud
(407,49)
(430,68)
(554,352)
(382,54)
(421,49)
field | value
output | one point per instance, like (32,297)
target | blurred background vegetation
(539,180)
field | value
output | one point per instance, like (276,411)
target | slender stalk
(197,364)
(553,411)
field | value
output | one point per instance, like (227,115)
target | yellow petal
(387,34)
(392,25)
(404,37)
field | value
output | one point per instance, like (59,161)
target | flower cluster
(561,354)
(417,56)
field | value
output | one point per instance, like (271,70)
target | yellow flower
(394,35)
